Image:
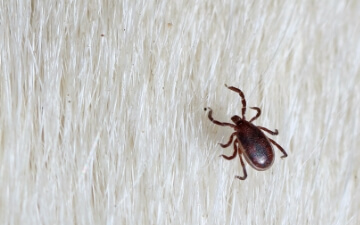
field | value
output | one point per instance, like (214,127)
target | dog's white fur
(102,117)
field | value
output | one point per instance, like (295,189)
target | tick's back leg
(243,101)
(218,122)
(279,147)
(237,151)
(234,153)
(229,142)
(244,169)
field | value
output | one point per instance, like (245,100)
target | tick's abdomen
(255,146)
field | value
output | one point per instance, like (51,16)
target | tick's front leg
(243,101)
(276,132)
(218,122)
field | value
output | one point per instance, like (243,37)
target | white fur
(111,129)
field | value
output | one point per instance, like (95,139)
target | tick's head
(236,119)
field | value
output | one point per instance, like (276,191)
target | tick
(250,140)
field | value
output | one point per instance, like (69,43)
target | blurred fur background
(102,115)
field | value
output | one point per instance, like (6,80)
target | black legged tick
(250,140)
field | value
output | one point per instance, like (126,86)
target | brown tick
(250,140)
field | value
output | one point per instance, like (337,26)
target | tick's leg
(217,122)
(243,101)
(234,153)
(229,142)
(276,132)
(257,114)
(279,147)
(244,169)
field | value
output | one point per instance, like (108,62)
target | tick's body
(255,146)
(250,140)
